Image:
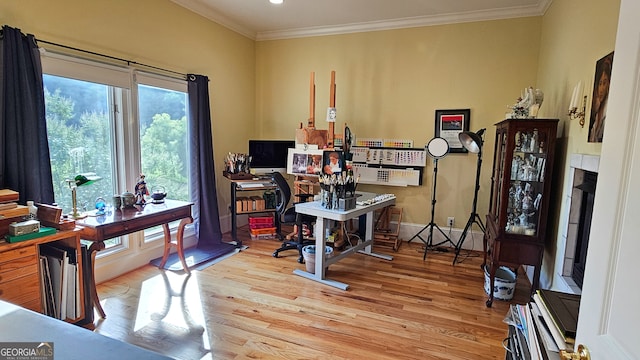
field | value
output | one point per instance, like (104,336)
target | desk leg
(93,250)
(320,241)
(368,239)
(179,243)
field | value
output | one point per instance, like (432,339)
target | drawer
(141,223)
(520,253)
(18,268)
(21,290)
(10,255)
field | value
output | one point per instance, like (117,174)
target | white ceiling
(261,20)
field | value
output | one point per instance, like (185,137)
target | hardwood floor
(251,306)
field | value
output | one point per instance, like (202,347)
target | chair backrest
(283,193)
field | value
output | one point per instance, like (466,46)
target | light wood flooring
(251,306)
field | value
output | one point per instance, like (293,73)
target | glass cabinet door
(526,181)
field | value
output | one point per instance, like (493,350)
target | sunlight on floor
(170,303)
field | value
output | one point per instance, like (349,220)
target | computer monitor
(268,156)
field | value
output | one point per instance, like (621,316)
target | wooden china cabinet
(520,196)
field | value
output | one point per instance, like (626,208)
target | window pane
(163,141)
(79,132)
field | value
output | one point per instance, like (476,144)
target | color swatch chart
(382,176)
(392,143)
(398,157)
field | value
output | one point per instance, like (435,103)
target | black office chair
(287,215)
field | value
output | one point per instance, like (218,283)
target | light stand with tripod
(472,142)
(437,149)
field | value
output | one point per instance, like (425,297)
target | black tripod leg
(474,218)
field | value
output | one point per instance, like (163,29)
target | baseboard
(473,240)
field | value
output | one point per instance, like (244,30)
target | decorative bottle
(33,210)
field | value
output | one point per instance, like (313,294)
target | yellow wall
(575,34)
(389,84)
(162,34)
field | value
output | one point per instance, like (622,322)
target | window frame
(124,127)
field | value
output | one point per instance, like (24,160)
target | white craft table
(322,215)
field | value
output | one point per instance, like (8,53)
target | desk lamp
(80,180)
(473,143)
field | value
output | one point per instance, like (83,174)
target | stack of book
(10,211)
(544,327)
(560,313)
(9,202)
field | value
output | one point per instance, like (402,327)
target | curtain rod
(128,62)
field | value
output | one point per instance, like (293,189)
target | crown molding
(210,14)
(411,22)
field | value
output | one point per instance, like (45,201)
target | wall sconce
(575,112)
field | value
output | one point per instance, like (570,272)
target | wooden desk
(129,220)
(315,209)
(70,342)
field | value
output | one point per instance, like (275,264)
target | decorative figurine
(141,190)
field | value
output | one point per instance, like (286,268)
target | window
(116,123)
(162,114)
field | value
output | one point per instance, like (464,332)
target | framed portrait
(450,123)
(305,162)
(333,161)
(600,97)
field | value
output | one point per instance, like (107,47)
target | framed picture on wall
(600,97)
(450,123)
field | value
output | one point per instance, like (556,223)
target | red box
(260,222)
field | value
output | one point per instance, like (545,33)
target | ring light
(437,148)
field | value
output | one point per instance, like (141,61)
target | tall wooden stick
(332,103)
(312,102)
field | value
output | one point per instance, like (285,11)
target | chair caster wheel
(301,260)
(489,303)
(275,254)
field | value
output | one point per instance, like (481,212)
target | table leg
(320,241)
(93,250)
(179,243)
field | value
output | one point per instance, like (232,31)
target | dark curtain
(203,177)
(24,149)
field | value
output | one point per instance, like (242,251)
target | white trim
(202,9)
(412,22)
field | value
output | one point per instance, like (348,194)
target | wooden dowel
(312,102)
(332,103)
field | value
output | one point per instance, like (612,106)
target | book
(17,211)
(563,308)
(44,231)
(532,338)
(560,341)
(8,195)
(9,205)
(544,333)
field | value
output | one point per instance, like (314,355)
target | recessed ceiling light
(277,2)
